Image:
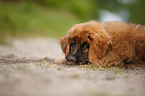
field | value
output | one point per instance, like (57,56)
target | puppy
(111,44)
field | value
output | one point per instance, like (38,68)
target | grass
(26,19)
(117,70)
(45,64)
(88,67)
(120,72)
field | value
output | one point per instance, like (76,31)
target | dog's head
(85,42)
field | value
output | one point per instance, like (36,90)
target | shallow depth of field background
(53,18)
(29,34)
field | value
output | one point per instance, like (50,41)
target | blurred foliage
(20,18)
(82,8)
(136,8)
(137,11)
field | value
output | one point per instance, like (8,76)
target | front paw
(60,61)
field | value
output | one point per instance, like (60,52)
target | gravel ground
(27,68)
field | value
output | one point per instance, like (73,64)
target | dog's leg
(109,60)
(60,61)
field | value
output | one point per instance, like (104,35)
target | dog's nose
(71,59)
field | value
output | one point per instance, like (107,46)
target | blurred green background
(53,18)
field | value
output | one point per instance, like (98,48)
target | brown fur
(111,44)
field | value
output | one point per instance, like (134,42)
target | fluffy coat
(112,44)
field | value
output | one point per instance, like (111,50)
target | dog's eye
(85,46)
(72,43)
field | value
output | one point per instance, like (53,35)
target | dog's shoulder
(123,27)
(123,30)
(115,26)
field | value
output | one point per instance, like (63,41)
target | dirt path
(27,69)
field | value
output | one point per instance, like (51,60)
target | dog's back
(129,37)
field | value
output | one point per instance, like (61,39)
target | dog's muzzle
(70,60)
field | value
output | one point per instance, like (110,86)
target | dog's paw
(60,61)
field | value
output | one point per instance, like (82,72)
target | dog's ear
(64,45)
(100,44)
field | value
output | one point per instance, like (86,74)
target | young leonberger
(111,44)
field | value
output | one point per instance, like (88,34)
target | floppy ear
(65,45)
(100,44)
